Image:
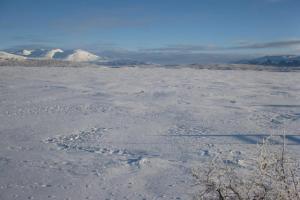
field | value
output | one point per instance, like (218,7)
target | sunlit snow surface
(134,133)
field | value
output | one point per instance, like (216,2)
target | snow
(81,56)
(134,133)
(26,52)
(5,55)
(78,55)
(51,53)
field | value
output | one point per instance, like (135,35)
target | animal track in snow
(183,129)
(89,141)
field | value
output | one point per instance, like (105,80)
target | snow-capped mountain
(280,60)
(80,55)
(51,53)
(26,52)
(9,56)
(77,55)
(30,53)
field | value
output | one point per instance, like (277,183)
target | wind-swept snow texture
(134,133)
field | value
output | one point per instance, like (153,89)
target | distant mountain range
(280,61)
(77,55)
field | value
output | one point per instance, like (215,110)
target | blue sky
(187,26)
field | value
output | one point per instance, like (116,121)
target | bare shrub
(273,175)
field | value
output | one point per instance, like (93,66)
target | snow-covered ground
(133,133)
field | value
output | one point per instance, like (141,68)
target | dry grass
(273,176)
